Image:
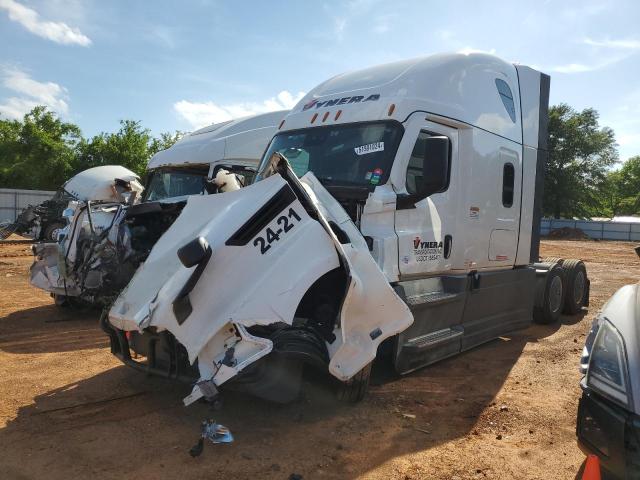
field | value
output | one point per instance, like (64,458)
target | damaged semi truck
(113,221)
(397,204)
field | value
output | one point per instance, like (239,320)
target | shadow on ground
(121,423)
(48,328)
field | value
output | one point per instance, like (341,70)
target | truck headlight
(607,373)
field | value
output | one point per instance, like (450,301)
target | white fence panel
(13,201)
(598,230)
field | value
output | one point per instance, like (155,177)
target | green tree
(131,146)
(625,185)
(580,155)
(37,153)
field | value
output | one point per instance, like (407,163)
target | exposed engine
(102,246)
(104,242)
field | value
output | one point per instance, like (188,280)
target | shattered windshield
(358,154)
(170,182)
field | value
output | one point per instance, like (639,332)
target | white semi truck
(113,221)
(401,203)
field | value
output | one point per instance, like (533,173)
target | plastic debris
(213,431)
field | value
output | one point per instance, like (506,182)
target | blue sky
(180,65)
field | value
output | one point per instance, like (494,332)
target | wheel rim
(54,234)
(555,294)
(578,287)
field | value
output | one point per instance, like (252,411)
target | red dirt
(69,409)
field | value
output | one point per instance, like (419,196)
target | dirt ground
(68,409)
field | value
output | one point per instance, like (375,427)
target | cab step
(430,298)
(434,338)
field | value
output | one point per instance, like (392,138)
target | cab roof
(242,140)
(478,89)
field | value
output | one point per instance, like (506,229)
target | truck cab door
(425,216)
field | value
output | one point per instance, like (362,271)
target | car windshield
(170,182)
(341,155)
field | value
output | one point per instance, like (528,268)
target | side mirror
(194,252)
(435,167)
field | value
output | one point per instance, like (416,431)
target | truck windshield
(359,154)
(169,182)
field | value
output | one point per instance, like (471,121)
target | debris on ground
(568,233)
(213,431)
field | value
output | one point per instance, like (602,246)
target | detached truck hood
(269,243)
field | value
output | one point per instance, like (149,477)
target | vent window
(507,98)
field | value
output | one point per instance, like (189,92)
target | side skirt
(456,313)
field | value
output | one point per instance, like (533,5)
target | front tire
(355,389)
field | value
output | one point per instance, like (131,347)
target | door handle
(448,240)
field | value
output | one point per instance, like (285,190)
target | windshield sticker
(367,176)
(369,148)
(375,176)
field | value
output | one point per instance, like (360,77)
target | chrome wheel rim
(555,294)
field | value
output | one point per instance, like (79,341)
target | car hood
(623,311)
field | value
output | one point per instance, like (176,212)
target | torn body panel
(270,242)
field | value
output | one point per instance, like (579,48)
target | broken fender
(269,243)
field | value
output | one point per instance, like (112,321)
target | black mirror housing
(193,252)
(435,174)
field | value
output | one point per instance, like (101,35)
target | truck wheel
(355,389)
(553,297)
(61,300)
(51,232)
(554,260)
(575,285)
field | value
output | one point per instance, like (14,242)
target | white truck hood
(251,279)
(99,184)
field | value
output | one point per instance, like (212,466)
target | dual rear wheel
(562,287)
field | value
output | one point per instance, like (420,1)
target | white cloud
(339,25)
(201,114)
(617,51)
(32,92)
(58,32)
(468,50)
(383,23)
(619,44)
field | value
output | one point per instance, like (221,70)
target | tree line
(583,175)
(42,151)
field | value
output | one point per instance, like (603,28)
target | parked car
(609,411)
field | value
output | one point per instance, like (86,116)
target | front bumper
(610,432)
(155,353)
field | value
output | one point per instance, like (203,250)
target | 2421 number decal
(285,224)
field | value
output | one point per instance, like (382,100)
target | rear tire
(554,260)
(355,389)
(553,297)
(575,285)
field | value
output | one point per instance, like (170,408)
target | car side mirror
(435,167)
